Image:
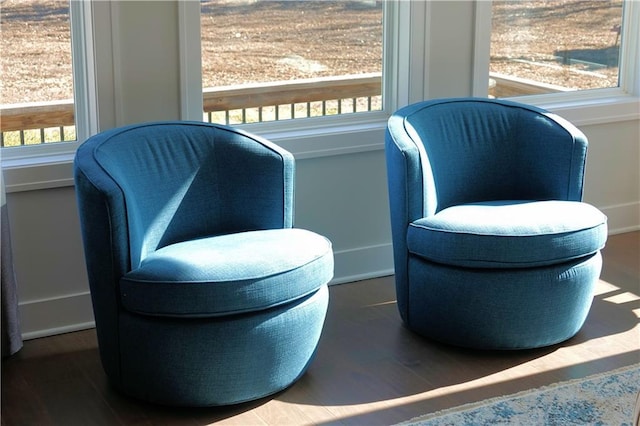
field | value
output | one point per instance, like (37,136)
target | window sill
(589,111)
(38,169)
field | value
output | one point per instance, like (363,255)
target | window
(36,73)
(281,60)
(547,46)
(46,95)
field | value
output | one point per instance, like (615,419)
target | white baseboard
(55,315)
(362,263)
(622,217)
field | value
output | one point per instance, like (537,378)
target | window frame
(304,136)
(404,80)
(85,109)
(585,107)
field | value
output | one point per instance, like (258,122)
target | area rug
(603,399)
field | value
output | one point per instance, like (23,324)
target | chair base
(500,308)
(218,361)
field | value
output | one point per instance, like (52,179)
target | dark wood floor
(369,369)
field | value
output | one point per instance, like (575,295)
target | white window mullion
(84,73)
(190,60)
(418,50)
(630,46)
(482,48)
(397,69)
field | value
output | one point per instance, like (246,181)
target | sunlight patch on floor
(621,298)
(603,287)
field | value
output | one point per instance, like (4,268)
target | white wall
(612,180)
(342,196)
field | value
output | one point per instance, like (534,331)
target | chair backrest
(175,181)
(474,149)
(446,152)
(144,186)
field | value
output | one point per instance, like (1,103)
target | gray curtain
(11,336)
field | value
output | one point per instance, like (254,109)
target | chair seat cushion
(229,274)
(509,234)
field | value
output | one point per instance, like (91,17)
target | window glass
(279,60)
(546,46)
(36,95)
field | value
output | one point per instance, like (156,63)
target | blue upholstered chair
(203,292)
(493,247)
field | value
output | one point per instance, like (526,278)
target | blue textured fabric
(481,150)
(501,308)
(181,182)
(220,361)
(213,277)
(178,222)
(493,188)
(509,234)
